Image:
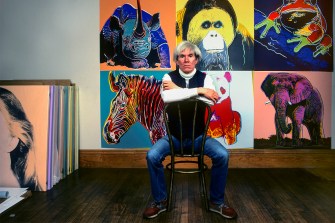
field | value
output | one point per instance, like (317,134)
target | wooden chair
(185,120)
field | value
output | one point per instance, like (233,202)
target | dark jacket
(187,107)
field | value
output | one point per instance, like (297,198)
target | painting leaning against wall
(24,136)
(131,109)
(232,121)
(293,109)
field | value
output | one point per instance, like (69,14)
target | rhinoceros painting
(134,38)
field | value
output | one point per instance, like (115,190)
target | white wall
(55,39)
(58,39)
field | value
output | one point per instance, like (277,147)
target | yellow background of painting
(244,11)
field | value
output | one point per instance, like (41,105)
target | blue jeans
(213,149)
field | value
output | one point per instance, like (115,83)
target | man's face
(187,61)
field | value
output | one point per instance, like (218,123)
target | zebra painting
(137,99)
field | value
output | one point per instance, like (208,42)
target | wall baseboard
(239,158)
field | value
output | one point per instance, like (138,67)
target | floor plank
(120,195)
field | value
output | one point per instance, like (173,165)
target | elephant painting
(294,97)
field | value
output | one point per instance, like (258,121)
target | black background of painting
(267,60)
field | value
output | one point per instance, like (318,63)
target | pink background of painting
(264,113)
(166,10)
(35,102)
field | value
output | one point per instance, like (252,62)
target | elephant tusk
(290,103)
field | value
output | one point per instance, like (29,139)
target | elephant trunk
(281,103)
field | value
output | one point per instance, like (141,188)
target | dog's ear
(227,75)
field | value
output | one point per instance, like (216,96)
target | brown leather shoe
(223,210)
(154,209)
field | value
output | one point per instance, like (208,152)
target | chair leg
(202,179)
(204,189)
(170,189)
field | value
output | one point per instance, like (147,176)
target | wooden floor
(120,195)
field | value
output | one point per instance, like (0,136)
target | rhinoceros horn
(139,31)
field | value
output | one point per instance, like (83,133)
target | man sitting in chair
(183,83)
